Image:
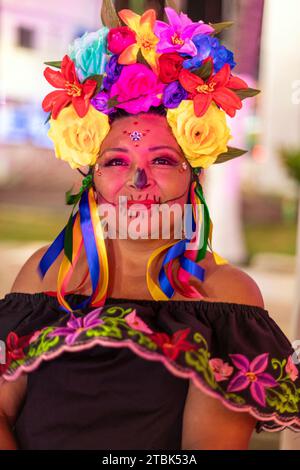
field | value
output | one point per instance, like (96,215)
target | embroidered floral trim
(272,396)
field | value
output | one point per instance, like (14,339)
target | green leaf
(112,102)
(246,92)
(109,15)
(98,79)
(68,240)
(56,64)
(204,71)
(230,154)
(219,27)
(48,118)
(72,198)
(172,4)
(140,59)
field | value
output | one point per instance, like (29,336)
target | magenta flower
(75,326)
(178,35)
(136,323)
(137,89)
(252,374)
(222,370)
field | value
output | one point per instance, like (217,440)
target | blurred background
(253,200)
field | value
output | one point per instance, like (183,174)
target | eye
(116,162)
(165,161)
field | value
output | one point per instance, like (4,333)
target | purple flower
(208,46)
(75,326)
(100,102)
(174,93)
(113,71)
(252,374)
(177,36)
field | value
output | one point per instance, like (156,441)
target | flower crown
(140,64)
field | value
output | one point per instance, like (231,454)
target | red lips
(145,202)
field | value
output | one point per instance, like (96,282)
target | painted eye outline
(171,161)
(108,163)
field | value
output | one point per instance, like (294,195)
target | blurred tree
(291,159)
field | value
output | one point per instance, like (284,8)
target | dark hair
(119,113)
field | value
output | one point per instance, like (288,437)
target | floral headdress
(137,65)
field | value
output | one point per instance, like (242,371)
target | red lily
(171,346)
(72,91)
(217,88)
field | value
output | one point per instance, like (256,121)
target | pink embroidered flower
(136,323)
(222,370)
(14,349)
(252,374)
(177,36)
(291,369)
(137,89)
(34,336)
(172,345)
(75,326)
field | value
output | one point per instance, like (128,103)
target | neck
(128,266)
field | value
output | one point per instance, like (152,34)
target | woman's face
(146,170)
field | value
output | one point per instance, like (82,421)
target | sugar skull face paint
(154,172)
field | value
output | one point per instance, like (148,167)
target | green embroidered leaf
(56,64)
(219,27)
(246,93)
(230,154)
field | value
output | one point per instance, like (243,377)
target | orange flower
(146,40)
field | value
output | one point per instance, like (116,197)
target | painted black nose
(140,178)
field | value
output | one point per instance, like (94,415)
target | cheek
(174,185)
(108,185)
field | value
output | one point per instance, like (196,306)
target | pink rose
(291,369)
(137,89)
(118,39)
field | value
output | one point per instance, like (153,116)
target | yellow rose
(203,138)
(78,140)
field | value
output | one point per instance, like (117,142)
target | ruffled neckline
(143,302)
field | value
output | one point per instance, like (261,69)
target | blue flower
(89,52)
(208,46)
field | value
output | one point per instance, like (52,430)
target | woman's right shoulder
(29,280)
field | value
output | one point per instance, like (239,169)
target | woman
(111,364)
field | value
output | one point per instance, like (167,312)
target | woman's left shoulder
(230,283)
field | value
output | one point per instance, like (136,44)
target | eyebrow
(115,149)
(162,147)
(151,149)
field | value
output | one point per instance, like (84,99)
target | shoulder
(28,279)
(229,283)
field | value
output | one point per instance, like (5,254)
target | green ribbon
(202,251)
(73,199)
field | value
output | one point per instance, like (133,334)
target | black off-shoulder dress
(117,377)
